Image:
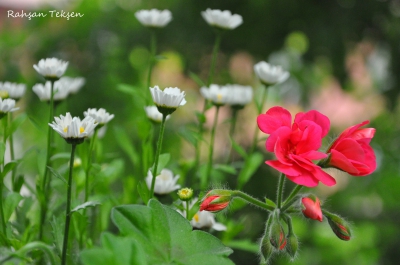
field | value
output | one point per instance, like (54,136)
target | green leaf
(15,124)
(41,161)
(116,250)
(10,203)
(85,205)
(7,168)
(196,79)
(57,226)
(240,150)
(58,175)
(245,245)
(65,155)
(225,168)
(124,142)
(131,90)
(143,191)
(167,237)
(250,166)
(270,203)
(201,117)
(162,162)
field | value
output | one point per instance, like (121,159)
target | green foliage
(155,234)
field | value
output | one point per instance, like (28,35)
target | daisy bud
(277,234)
(216,200)
(339,226)
(311,207)
(185,194)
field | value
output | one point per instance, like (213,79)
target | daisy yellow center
(65,129)
(196,217)
(81,130)
(219,97)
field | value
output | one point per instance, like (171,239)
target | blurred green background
(343,56)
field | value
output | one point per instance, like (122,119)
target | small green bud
(185,194)
(292,245)
(266,248)
(277,234)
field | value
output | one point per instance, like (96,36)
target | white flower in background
(203,219)
(74,84)
(165,182)
(6,105)
(222,19)
(14,90)
(270,74)
(72,128)
(240,95)
(44,91)
(168,100)
(153,114)
(154,17)
(51,68)
(219,95)
(101,116)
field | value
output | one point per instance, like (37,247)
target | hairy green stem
(158,150)
(68,208)
(291,198)
(281,183)
(249,199)
(211,150)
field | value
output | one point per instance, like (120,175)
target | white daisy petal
(270,74)
(51,67)
(154,17)
(222,19)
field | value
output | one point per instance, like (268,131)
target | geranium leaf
(166,237)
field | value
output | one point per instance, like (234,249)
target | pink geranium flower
(351,151)
(295,145)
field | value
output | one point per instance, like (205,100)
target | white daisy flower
(7,105)
(270,74)
(203,219)
(154,17)
(222,19)
(168,100)
(218,95)
(73,128)
(239,95)
(44,91)
(74,84)
(153,114)
(14,90)
(51,68)
(165,182)
(101,116)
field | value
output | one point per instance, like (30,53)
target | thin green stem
(291,198)
(88,165)
(3,221)
(12,153)
(68,208)
(153,50)
(231,132)
(259,110)
(43,208)
(214,58)
(187,210)
(209,81)
(281,183)
(206,179)
(249,199)
(158,150)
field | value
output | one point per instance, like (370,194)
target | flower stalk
(281,183)
(249,199)
(158,150)
(89,161)
(153,50)
(206,179)
(68,208)
(291,198)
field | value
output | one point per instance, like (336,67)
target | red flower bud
(311,207)
(216,200)
(277,235)
(339,226)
